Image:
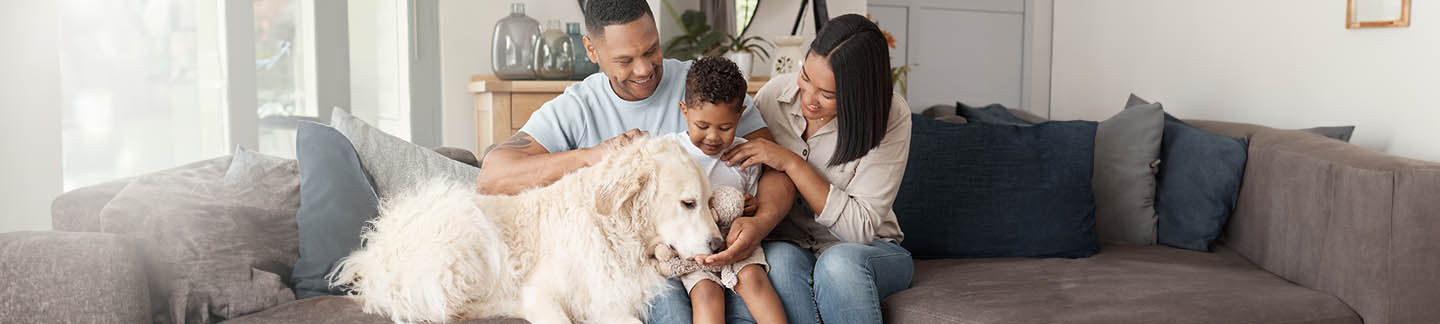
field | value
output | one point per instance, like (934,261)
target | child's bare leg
(754,287)
(707,301)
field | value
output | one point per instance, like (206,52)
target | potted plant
(698,40)
(742,51)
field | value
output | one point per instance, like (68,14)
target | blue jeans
(845,284)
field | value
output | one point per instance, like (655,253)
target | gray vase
(512,55)
(554,54)
(584,66)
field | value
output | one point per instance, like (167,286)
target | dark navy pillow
(1198,183)
(337,197)
(1197,186)
(994,114)
(988,190)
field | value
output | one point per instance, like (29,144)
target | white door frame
(1036,48)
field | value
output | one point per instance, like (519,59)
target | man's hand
(597,153)
(744,238)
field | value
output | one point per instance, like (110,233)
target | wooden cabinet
(502,107)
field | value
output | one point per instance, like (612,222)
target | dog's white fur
(577,250)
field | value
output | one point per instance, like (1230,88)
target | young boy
(714,99)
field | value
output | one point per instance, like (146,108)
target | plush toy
(727,203)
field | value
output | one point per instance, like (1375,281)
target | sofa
(1324,232)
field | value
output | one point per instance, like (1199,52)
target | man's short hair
(602,13)
(715,80)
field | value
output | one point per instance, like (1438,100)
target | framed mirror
(1377,13)
(745,14)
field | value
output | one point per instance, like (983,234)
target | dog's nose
(716,245)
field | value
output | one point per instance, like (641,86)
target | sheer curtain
(144,82)
(720,13)
(141,86)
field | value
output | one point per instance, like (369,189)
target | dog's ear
(622,190)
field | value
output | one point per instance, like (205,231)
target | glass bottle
(584,66)
(554,54)
(512,55)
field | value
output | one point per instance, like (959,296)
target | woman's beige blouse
(861,191)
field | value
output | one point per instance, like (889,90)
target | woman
(843,138)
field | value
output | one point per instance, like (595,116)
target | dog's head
(654,181)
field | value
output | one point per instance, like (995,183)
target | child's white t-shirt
(719,173)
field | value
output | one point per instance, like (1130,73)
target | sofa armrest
(1358,224)
(79,210)
(71,277)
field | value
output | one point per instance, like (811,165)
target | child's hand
(749,206)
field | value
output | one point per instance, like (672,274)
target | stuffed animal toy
(728,203)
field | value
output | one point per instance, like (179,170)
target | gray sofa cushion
(1122,284)
(66,277)
(218,239)
(394,163)
(1126,147)
(332,309)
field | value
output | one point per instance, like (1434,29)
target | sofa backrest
(1358,224)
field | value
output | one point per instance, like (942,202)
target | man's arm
(519,163)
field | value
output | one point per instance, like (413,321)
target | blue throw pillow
(1197,186)
(988,190)
(1198,183)
(994,114)
(336,199)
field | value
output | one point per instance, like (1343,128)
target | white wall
(774,18)
(1280,63)
(466,28)
(465,35)
(29,114)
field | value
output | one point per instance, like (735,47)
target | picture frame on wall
(1377,13)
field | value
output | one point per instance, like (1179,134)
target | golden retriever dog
(578,250)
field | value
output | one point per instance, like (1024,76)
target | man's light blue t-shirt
(590,112)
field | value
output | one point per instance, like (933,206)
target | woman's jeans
(844,285)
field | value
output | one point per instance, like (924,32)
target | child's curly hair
(715,80)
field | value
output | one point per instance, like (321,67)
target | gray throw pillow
(1197,185)
(996,114)
(1126,148)
(218,237)
(1027,116)
(945,113)
(394,163)
(336,199)
(1340,133)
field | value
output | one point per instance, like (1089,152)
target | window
(280,73)
(144,83)
(744,10)
(141,87)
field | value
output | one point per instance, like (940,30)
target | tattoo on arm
(519,141)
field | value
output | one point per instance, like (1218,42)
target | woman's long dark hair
(860,58)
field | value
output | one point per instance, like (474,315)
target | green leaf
(711,42)
(694,22)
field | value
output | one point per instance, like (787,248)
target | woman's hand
(750,206)
(762,151)
(744,237)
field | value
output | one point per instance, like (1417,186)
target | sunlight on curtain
(141,87)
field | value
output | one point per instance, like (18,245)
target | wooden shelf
(489,83)
(502,107)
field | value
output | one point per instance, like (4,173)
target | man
(637,92)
